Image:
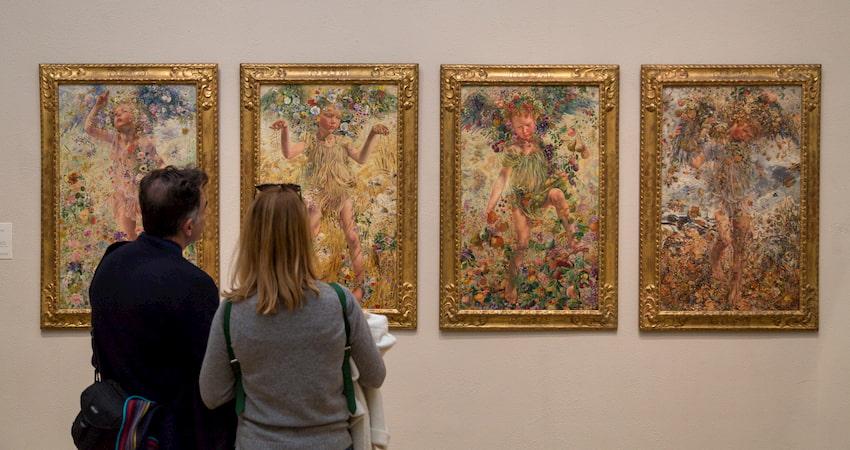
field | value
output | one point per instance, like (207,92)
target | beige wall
(501,390)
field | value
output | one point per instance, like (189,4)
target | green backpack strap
(346,366)
(234,363)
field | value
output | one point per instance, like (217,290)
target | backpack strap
(234,363)
(136,425)
(346,365)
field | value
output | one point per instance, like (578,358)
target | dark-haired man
(152,309)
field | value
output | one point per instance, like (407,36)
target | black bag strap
(95,359)
(346,366)
(234,363)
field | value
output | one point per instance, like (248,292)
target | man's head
(173,204)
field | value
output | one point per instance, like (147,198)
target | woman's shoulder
(329,291)
(324,286)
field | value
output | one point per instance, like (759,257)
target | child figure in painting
(535,185)
(328,176)
(133,155)
(731,174)
(728,147)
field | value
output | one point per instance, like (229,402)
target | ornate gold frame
(204,78)
(654,80)
(401,305)
(453,78)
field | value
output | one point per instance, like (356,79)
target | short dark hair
(169,196)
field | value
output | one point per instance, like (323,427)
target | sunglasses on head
(268,186)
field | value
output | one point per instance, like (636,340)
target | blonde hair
(275,258)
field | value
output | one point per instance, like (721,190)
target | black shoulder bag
(109,418)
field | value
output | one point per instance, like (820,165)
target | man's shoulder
(114,246)
(114,253)
(157,259)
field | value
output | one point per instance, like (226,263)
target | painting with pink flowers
(105,136)
(529,217)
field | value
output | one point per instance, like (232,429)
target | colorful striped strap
(138,414)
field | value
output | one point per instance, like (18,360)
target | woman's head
(275,257)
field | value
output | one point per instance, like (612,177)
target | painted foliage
(559,269)
(730,202)
(372,186)
(92,171)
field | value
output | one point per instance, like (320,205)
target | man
(152,309)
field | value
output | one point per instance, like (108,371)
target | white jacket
(367,426)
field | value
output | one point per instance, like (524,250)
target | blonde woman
(288,334)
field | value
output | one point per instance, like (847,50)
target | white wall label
(5,241)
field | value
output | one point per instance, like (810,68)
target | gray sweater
(291,370)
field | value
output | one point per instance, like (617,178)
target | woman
(288,334)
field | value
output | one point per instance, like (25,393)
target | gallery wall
(466,390)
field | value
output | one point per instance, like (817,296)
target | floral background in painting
(376,191)
(86,225)
(553,275)
(730,198)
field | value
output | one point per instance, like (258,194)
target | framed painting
(528,232)
(729,197)
(102,128)
(347,133)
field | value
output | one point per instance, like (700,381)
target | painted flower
(76,299)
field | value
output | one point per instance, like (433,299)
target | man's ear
(187,227)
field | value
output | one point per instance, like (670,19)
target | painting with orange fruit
(528,225)
(730,198)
